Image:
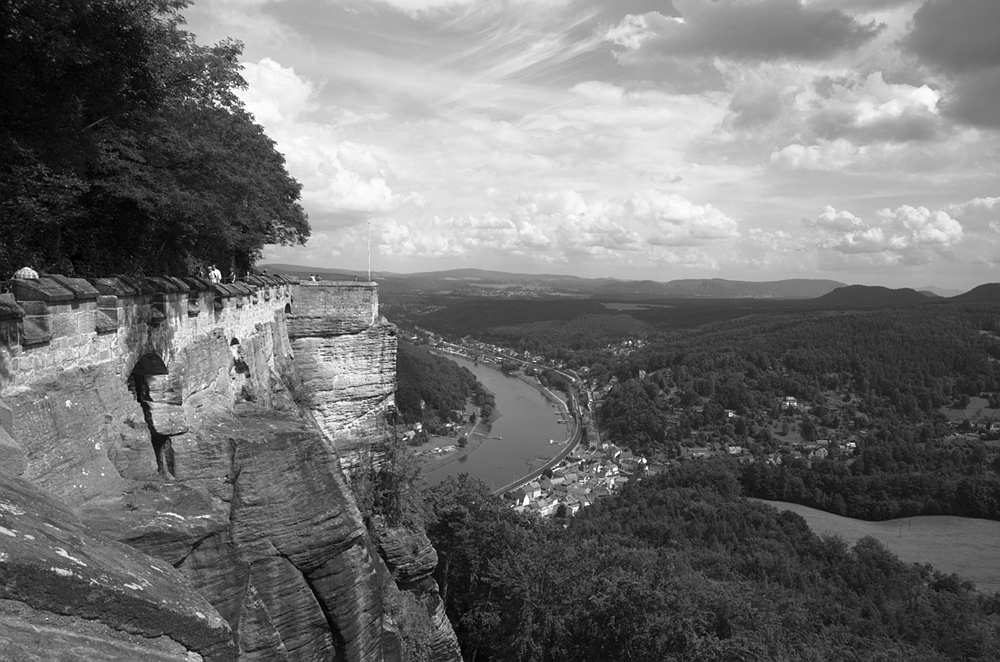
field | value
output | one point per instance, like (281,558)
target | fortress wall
(56,323)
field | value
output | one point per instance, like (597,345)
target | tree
(124,148)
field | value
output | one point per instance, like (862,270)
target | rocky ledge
(64,589)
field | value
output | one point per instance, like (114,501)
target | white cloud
(275,94)
(343,181)
(905,235)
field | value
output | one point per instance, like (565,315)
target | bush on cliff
(124,148)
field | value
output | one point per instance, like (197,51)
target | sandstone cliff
(240,526)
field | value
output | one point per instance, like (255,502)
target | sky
(855,140)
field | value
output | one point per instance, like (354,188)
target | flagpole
(369,251)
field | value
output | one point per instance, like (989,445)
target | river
(526,423)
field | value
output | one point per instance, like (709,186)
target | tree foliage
(442,385)
(681,567)
(124,148)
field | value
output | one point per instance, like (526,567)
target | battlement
(57,322)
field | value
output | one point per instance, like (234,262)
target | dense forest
(876,379)
(681,567)
(124,148)
(442,385)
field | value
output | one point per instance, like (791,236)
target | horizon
(639,140)
(550,274)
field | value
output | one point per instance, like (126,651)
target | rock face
(346,364)
(228,498)
(51,563)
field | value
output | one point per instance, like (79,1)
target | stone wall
(56,323)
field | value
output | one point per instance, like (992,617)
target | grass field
(968,547)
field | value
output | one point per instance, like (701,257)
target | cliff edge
(166,440)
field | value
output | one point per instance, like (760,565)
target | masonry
(57,323)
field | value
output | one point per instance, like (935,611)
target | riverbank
(475,440)
(518,442)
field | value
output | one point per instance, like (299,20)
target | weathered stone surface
(83,434)
(167,419)
(32,635)
(51,562)
(254,512)
(350,381)
(13,459)
(408,554)
(259,639)
(290,502)
(416,610)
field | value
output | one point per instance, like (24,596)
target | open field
(965,546)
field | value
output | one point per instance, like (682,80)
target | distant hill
(720,288)
(986,292)
(871,296)
(939,291)
(467,281)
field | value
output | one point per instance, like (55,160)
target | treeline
(578,339)
(442,385)
(681,567)
(967,487)
(901,363)
(124,148)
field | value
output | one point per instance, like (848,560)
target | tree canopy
(124,148)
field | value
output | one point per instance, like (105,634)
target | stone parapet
(57,322)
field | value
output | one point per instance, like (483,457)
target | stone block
(9,310)
(62,325)
(42,289)
(179,283)
(35,308)
(114,287)
(106,320)
(35,330)
(198,284)
(162,285)
(81,289)
(168,419)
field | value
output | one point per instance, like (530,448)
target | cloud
(958,37)
(978,214)
(905,235)
(868,109)
(563,226)
(676,221)
(961,41)
(275,93)
(824,155)
(742,29)
(343,181)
